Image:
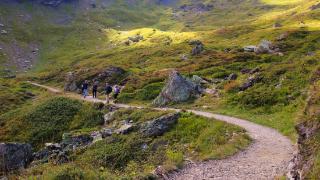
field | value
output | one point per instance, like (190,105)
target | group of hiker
(108,89)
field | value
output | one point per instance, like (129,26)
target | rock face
(70,82)
(178,89)
(14,156)
(159,126)
(304,163)
(111,75)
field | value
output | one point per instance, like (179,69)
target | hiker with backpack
(116,92)
(94,90)
(85,86)
(108,91)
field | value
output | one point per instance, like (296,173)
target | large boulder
(159,126)
(178,89)
(14,156)
(70,82)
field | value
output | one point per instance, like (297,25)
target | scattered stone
(106,132)
(197,49)
(277,25)
(108,117)
(264,47)
(250,82)
(250,48)
(245,71)
(70,82)
(4,32)
(125,129)
(96,136)
(212,91)
(177,89)
(14,156)
(255,70)
(233,76)
(1,25)
(136,38)
(159,126)
(184,57)
(283,36)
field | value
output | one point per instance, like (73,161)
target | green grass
(123,156)
(47,119)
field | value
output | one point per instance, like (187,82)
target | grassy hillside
(86,40)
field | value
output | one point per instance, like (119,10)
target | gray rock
(233,76)
(159,126)
(264,47)
(125,129)
(96,136)
(4,32)
(108,117)
(70,82)
(283,36)
(250,82)
(14,156)
(111,75)
(136,38)
(198,80)
(178,89)
(250,48)
(197,49)
(106,132)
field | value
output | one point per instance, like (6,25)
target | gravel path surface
(266,158)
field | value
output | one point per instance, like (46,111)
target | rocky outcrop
(303,165)
(198,8)
(159,126)
(70,82)
(136,38)
(111,75)
(14,156)
(178,89)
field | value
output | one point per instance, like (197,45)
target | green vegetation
(47,120)
(87,40)
(135,156)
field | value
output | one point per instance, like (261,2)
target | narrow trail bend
(266,158)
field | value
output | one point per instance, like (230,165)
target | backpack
(108,89)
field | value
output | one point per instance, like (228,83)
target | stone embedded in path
(14,156)
(178,89)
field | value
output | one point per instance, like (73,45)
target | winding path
(266,158)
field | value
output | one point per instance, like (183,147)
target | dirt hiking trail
(266,158)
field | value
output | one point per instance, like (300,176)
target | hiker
(108,90)
(94,90)
(85,89)
(116,92)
